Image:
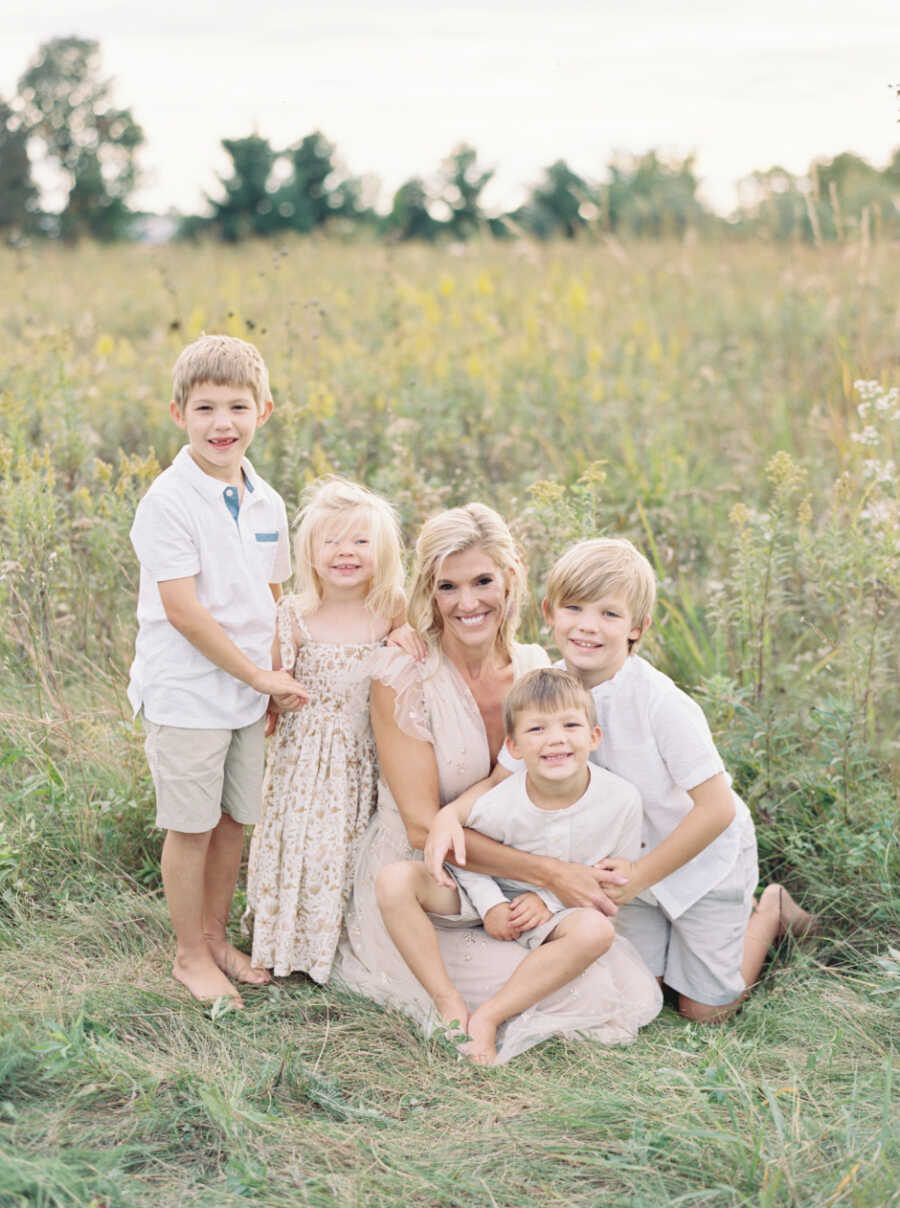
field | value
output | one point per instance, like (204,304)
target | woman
(438,727)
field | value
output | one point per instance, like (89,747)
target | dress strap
(302,626)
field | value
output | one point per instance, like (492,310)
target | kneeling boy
(212,541)
(559,805)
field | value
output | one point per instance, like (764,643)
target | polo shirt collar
(204,484)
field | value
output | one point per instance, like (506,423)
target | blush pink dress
(607,1003)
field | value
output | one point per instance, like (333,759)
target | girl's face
(470,597)
(343,554)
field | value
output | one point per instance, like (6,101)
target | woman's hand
(409,642)
(581,885)
(627,886)
(446,836)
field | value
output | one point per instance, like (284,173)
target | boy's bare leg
(775,914)
(578,940)
(223,862)
(183,872)
(405,891)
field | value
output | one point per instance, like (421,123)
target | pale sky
(396,83)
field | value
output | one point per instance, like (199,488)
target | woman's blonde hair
(333,505)
(474,526)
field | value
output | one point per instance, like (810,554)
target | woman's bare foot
(204,978)
(236,964)
(482,1048)
(792,919)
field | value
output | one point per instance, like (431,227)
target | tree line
(63,118)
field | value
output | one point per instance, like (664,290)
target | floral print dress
(319,793)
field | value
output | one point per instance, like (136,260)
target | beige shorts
(201,774)
(699,954)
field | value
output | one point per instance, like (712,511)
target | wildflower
(869,436)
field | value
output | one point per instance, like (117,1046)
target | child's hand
(409,641)
(272,716)
(497,923)
(528,910)
(620,893)
(284,690)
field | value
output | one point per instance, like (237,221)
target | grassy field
(697,398)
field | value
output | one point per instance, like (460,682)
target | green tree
(18,195)
(409,217)
(462,182)
(315,193)
(563,203)
(248,207)
(650,195)
(67,110)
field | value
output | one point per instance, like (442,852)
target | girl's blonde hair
(332,505)
(474,526)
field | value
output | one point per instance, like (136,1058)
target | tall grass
(698,399)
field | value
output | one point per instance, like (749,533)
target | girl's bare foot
(482,1048)
(204,979)
(792,919)
(236,964)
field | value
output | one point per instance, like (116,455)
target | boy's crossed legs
(405,892)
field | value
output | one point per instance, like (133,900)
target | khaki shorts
(201,774)
(699,954)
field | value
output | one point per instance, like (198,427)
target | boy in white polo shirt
(212,541)
(687,904)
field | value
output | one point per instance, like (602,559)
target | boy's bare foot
(482,1048)
(236,964)
(204,979)
(792,919)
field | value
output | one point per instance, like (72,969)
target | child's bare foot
(236,964)
(452,1009)
(792,919)
(204,979)
(482,1047)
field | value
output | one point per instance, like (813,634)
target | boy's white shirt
(604,821)
(657,738)
(183,528)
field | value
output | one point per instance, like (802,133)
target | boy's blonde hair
(547,690)
(332,506)
(600,567)
(474,526)
(223,361)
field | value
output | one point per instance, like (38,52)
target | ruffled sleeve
(396,669)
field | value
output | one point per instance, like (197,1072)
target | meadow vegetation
(734,410)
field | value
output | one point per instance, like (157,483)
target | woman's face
(470,597)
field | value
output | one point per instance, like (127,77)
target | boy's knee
(701,1012)
(593,932)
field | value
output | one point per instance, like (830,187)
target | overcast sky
(396,83)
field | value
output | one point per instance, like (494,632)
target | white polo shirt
(186,526)
(605,821)
(657,737)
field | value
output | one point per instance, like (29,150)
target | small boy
(212,541)
(687,904)
(559,804)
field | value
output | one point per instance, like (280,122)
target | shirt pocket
(265,548)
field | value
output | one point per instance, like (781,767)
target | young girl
(321,776)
